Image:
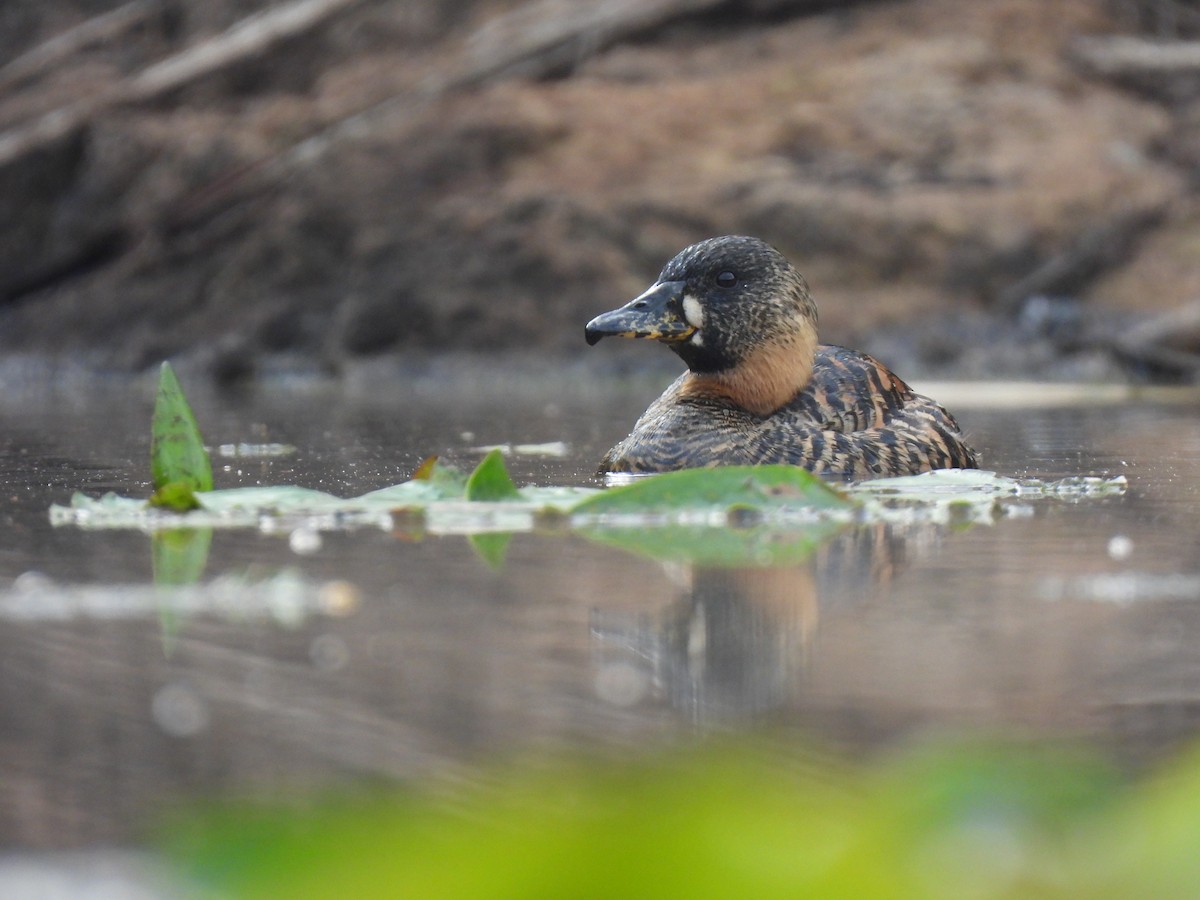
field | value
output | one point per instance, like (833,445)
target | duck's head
(737,313)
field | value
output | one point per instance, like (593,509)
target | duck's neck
(770,376)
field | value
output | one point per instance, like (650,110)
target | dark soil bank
(971,188)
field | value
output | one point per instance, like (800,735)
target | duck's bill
(657,314)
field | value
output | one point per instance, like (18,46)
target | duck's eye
(726,279)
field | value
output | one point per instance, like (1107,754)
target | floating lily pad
(718,489)
(938,484)
(281,498)
(723,516)
(408,494)
(447,479)
(785,497)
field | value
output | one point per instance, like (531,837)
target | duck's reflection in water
(737,641)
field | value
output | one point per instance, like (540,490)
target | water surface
(378,656)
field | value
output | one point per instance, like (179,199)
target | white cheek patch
(693,312)
(696,339)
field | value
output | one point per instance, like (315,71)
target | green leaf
(490,482)
(177,495)
(943,821)
(722,488)
(177,451)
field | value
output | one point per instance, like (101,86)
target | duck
(759,388)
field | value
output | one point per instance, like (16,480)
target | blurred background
(1001,189)
(443,193)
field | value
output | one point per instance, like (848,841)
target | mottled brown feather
(855,419)
(761,390)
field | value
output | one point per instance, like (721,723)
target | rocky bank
(971,189)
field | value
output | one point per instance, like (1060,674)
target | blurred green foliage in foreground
(963,821)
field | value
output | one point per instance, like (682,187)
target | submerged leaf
(180,555)
(177,451)
(491,547)
(490,482)
(720,546)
